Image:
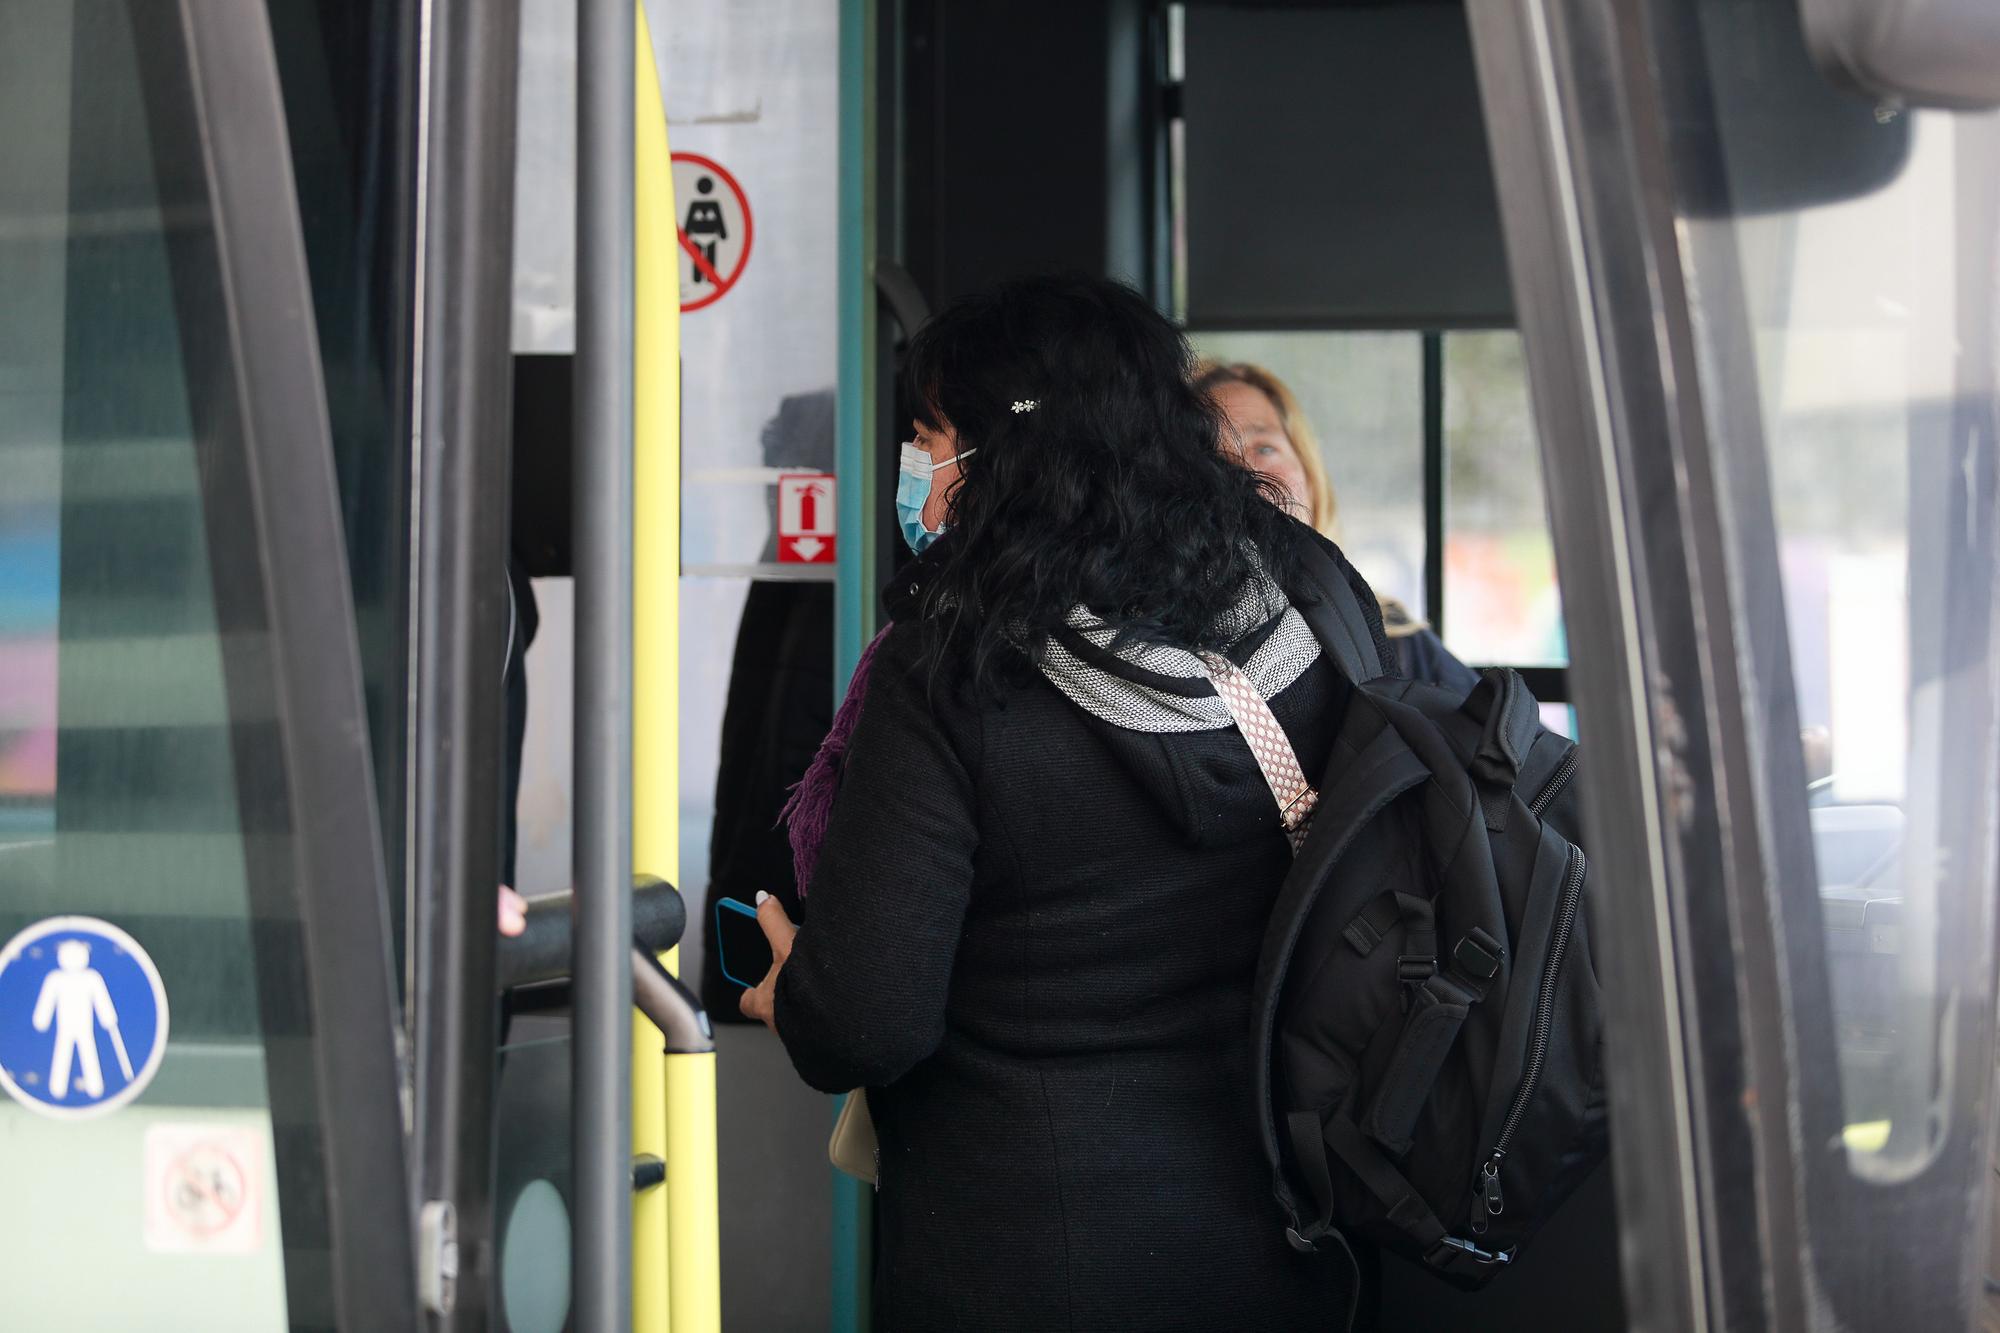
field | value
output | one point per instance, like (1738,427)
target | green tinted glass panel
(141,775)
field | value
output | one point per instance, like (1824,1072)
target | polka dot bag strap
(1295,796)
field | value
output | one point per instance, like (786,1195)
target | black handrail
(542,953)
(534,966)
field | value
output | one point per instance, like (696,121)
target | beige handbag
(853,1148)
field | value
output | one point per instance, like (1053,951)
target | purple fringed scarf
(810,807)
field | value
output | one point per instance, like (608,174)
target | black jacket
(1422,655)
(1031,935)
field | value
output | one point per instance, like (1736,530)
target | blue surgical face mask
(913,492)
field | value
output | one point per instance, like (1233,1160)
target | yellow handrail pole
(655,646)
(695,1256)
(677,1250)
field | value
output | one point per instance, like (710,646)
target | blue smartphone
(741,949)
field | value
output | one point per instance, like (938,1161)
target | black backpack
(1427,1042)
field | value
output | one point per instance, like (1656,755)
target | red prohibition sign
(719,283)
(205,1190)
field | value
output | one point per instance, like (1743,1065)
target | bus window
(1499,562)
(1363,394)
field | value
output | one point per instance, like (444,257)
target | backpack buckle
(1452,1254)
(1294,813)
(1415,969)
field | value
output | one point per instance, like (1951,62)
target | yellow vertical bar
(651,1288)
(656,483)
(692,1190)
(676,1233)
(655,644)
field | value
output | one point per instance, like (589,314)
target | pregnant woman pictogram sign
(715,229)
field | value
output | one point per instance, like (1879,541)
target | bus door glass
(119,784)
(162,1054)
(1832,263)
(1761,310)
(1870,375)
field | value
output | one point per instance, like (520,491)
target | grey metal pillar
(460,633)
(601,1086)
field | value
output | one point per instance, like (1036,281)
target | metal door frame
(1581,221)
(262,432)
(459,622)
(601,1033)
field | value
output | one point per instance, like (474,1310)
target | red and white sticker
(805,518)
(715,229)
(203,1189)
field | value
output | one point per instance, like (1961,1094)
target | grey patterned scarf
(1279,660)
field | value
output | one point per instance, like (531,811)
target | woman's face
(1256,438)
(940,444)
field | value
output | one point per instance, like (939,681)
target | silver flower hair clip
(1025,405)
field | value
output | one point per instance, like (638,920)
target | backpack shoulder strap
(1350,632)
(1509,721)
(1374,770)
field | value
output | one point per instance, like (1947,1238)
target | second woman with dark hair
(1035,905)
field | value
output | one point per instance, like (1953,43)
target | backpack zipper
(1557,781)
(1487,1201)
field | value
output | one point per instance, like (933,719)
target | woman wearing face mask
(1269,434)
(929,469)
(1038,857)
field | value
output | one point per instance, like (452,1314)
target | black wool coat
(1031,936)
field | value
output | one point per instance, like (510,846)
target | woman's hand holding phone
(760,1001)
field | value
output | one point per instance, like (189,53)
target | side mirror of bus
(1942,53)
(1792,137)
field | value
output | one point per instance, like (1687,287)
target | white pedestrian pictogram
(80,1005)
(75,998)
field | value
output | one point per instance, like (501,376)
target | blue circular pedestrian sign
(83,1017)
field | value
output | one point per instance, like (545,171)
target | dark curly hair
(1113,493)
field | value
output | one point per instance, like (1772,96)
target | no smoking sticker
(203,1191)
(715,229)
